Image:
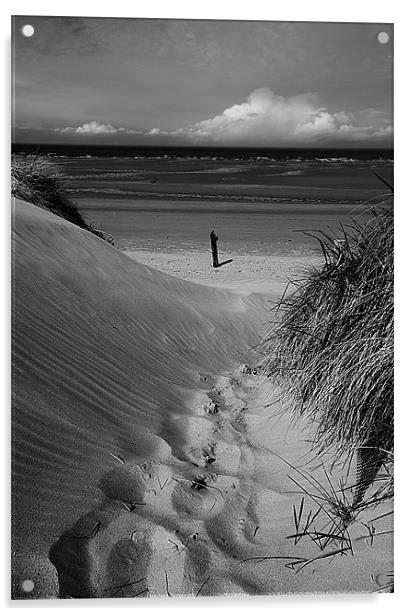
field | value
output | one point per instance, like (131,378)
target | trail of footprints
(178,526)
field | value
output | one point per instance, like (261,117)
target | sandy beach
(254,273)
(151,456)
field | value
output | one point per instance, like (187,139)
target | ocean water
(256,200)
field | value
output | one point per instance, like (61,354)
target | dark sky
(146,81)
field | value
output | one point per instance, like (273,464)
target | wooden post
(213,239)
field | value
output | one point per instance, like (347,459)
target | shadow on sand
(225,262)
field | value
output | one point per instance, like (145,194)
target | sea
(264,200)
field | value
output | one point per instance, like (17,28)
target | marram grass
(40,181)
(332,341)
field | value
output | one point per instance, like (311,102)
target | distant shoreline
(117,194)
(218,153)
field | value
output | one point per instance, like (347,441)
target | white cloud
(277,120)
(157,131)
(96,128)
(343,117)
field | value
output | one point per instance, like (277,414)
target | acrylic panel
(202,308)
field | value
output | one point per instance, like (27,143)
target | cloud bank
(265,119)
(271,119)
(96,128)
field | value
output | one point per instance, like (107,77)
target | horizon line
(202,147)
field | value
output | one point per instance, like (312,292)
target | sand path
(177,525)
(204,520)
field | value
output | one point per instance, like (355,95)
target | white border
(379,11)
(297,10)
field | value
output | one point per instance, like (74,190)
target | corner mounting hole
(27,30)
(27,585)
(383,37)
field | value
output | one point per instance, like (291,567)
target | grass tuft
(40,181)
(332,343)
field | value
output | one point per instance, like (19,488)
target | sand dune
(140,462)
(105,353)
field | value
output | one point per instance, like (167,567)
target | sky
(201,83)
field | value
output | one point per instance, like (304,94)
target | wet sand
(246,228)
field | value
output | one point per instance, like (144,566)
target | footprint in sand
(204,495)
(144,538)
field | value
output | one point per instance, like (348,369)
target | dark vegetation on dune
(332,346)
(40,181)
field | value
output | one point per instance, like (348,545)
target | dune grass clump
(40,181)
(332,343)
